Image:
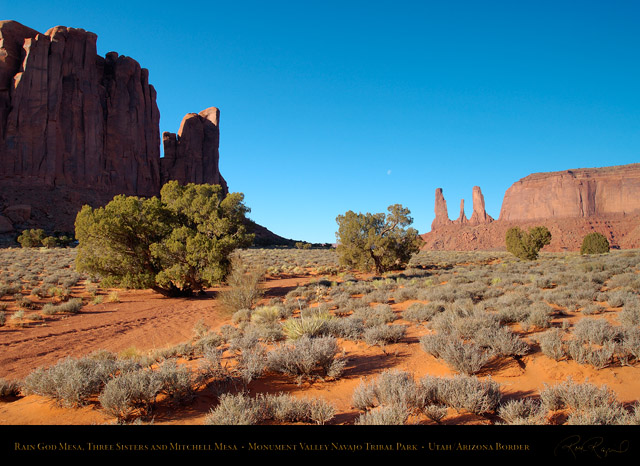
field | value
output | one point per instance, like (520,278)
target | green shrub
(527,245)
(594,243)
(31,238)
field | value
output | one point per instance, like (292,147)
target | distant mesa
(571,203)
(77,128)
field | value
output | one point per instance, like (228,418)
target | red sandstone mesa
(77,128)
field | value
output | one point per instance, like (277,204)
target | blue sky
(329,106)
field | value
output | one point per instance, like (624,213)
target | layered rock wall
(581,193)
(77,119)
(77,128)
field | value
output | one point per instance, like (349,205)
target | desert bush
(526,245)
(524,411)
(419,312)
(132,391)
(307,357)
(551,343)
(31,238)
(265,315)
(612,414)
(375,315)
(350,328)
(383,334)
(71,381)
(501,342)
(177,244)
(470,393)
(286,408)
(375,242)
(9,388)
(3,318)
(252,362)
(310,326)
(629,347)
(595,331)
(392,415)
(620,298)
(178,381)
(575,396)
(594,243)
(464,357)
(238,409)
(630,314)
(243,291)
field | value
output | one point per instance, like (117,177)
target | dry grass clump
(307,358)
(394,397)
(587,404)
(242,409)
(243,290)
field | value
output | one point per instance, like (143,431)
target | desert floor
(141,321)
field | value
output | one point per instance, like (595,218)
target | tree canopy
(176,244)
(377,242)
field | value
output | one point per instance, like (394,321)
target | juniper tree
(177,244)
(377,242)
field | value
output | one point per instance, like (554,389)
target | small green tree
(527,245)
(377,242)
(31,238)
(594,243)
(176,244)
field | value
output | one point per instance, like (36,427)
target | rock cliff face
(570,203)
(192,155)
(74,118)
(582,193)
(77,128)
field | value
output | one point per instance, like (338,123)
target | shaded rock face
(77,128)
(77,119)
(570,203)
(192,155)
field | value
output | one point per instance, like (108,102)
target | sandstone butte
(571,203)
(77,128)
